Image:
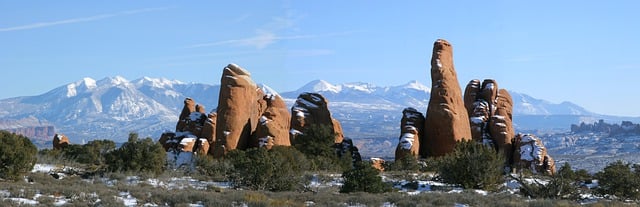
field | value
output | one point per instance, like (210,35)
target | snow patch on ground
(127,199)
(180,159)
(43,168)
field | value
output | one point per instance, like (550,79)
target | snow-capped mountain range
(112,107)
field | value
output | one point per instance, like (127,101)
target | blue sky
(586,52)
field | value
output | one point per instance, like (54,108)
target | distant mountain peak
(85,84)
(320,86)
(90,83)
(157,82)
(415,84)
(268,90)
(360,86)
(117,80)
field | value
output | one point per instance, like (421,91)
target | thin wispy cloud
(265,38)
(268,33)
(79,19)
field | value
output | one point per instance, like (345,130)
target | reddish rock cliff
(60,141)
(411,129)
(447,121)
(238,112)
(313,108)
(531,154)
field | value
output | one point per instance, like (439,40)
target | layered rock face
(247,117)
(490,114)
(194,131)
(484,114)
(187,109)
(411,126)
(377,163)
(238,112)
(531,154)
(60,141)
(209,128)
(310,109)
(447,121)
(273,127)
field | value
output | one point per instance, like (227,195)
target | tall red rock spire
(447,121)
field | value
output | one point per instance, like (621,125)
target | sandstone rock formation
(201,146)
(411,131)
(189,107)
(60,141)
(337,129)
(238,111)
(377,163)
(246,116)
(187,143)
(531,154)
(195,131)
(209,128)
(447,121)
(490,115)
(273,128)
(501,123)
(310,109)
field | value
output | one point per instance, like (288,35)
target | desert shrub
(94,152)
(317,142)
(137,155)
(215,169)
(620,180)
(407,163)
(363,178)
(278,169)
(91,154)
(564,184)
(17,155)
(472,165)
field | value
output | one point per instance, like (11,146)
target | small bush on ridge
(473,166)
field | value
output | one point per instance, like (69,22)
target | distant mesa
(35,133)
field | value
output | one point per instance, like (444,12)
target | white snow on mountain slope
(321,86)
(414,84)
(360,87)
(268,90)
(157,82)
